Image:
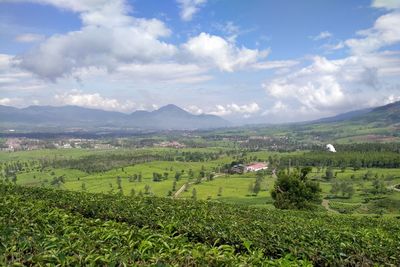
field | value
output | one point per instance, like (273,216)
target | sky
(258,61)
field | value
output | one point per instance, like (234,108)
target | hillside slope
(43,226)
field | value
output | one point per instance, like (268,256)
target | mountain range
(386,115)
(169,117)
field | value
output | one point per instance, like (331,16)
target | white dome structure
(330,148)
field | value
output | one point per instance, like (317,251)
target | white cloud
(278,107)
(392,99)
(276,64)
(194,109)
(322,35)
(333,47)
(230,109)
(362,79)
(189,8)
(108,38)
(332,86)
(387,4)
(164,72)
(11,101)
(29,38)
(13,79)
(111,40)
(215,51)
(386,31)
(78,98)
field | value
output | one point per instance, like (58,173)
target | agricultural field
(197,173)
(44,226)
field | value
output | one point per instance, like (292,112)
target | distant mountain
(345,116)
(169,117)
(387,114)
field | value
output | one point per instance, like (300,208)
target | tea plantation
(41,226)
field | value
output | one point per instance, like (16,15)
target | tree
(257,187)
(329,174)
(174,186)
(178,176)
(219,192)
(194,194)
(335,188)
(166,175)
(295,191)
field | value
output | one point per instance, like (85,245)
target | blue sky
(268,61)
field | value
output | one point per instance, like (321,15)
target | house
(238,169)
(254,167)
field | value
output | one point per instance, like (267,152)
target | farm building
(256,167)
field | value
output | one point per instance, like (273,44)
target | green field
(231,188)
(40,226)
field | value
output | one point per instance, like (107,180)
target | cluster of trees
(368,147)
(293,190)
(197,156)
(345,188)
(135,177)
(158,177)
(255,188)
(104,162)
(58,181)
(355,160)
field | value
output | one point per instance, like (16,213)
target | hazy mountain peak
(167,117)
(171,108)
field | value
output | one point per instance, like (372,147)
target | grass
(235,188)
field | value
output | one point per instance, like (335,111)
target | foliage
(50,227)
(295,191)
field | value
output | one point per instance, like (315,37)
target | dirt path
(183,187)
(325,204)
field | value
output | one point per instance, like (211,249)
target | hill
(169,117)
(51,227)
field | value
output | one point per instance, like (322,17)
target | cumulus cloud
(215,51)
(78,98)
(194,109)
(29,38)
(111,40)
(229,109)
(189,8)
(108,38)
(361,79)
(386,31)
(11,101)
(315,87)
(387,4)
(322,35)
(391,99)
(13,79)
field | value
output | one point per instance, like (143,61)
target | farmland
(46,226)
(185,207)
(200,173)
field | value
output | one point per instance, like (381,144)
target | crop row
(321,238)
